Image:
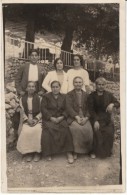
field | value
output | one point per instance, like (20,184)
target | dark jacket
(72,106)
(51,107)
(98,111)
(22,77)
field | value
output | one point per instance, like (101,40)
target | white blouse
(72,73)
(52,76)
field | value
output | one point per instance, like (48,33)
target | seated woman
(101,104)
(56,137)
(29,141)
(56,75)
(80,127)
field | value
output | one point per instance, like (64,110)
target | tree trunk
(67,42)
(30,30)
(30,35)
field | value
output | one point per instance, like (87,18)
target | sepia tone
(55,39)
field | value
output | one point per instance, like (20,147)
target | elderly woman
(101,104)
(57,75)
(80,127)
(29,141)
(77,70)
(56,136)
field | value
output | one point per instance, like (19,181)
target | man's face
(34,57)
(100,86)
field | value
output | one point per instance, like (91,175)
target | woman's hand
(96,126)
(110,108)
(84,120)
(35,121)
(30,122)
(53,119)
(59,119)
(78,119)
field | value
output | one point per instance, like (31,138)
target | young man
(31,71)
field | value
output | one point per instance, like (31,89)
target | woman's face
(31,88)
(55,88)
(76,61)
(100,86)
(78,83)
(59,65)
(34,57)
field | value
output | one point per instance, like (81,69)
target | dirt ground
(84,172)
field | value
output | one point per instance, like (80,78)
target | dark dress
(76,105)
(56,138)
(103,138)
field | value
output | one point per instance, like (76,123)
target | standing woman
(101,105)
(56,137)
(78,120)
(56,75)
(77,70)
(29,141)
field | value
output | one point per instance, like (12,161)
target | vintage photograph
(62,81)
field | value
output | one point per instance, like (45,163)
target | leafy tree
(95,25)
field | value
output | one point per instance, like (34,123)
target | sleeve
(115,101)
(69,106)
(18,79)
(65,114)
(46,83)
(86,78)
(39,116)
(23,112)
(91,109)
(41,79)
(87,111)
(45,113)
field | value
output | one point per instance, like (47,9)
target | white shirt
(33,73)
(52,76)
(72,73)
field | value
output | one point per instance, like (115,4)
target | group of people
(59,115)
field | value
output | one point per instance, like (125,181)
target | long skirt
(30,139)
(56,138)
(103,140)
(82,137)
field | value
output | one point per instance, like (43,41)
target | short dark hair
(80,57)
(33,50)
(56,60)
(55,82)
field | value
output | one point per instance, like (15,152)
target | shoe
(75,156)
(37,157)
(93,156)
(29,157)
(70,158)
